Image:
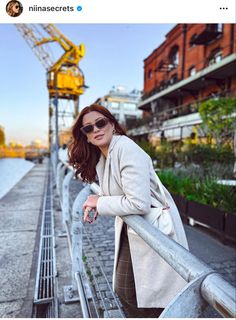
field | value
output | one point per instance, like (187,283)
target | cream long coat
(127,181)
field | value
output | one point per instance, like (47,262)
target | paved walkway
(211,250)
(19,215)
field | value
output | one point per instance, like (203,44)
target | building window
(174,57)
(163,85)
(192,40)
(156,70)
(150,74)
(219,27)
(114,105)
(215,57)
(173,79)
(129,106)
(192,71)
(128,116)
(213,95)
(160,66)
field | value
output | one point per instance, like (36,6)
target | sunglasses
(99,123)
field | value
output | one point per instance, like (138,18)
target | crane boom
(32,36)
(65,80)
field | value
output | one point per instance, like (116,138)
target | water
(12,170)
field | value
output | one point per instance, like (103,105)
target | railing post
(58,177)
(54,163)
(66,198)
(61,169)
(77,229)
(78,271)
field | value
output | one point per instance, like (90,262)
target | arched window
(192,40)
(150,74)
(174,57)
(215,56)
(173,79)
(219,27)
(160,66)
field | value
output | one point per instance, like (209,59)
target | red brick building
(195,61)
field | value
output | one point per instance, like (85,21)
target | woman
(14,8)
(144,282)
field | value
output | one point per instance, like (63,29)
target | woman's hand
(91,202)
(89,206)
(90,215)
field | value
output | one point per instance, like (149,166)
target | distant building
(195,62)
(122,104)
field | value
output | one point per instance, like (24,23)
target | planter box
(208,215)
(181,204)
(230,226)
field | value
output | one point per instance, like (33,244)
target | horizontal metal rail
(203,280)
(83,300)
(62,184)
(218,293)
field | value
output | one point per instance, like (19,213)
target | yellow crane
(65,79)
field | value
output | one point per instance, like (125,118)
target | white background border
(126,11)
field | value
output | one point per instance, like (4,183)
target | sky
(114,56)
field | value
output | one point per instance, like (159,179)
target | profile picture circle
(14,8)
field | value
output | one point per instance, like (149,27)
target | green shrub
(205,154)
(205,191)
(215,161)
(218,195)
(217,116)
(184,187)
(165,155)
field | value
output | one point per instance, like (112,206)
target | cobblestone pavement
(98,251)
(99,254)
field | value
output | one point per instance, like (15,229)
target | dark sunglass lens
(101,123)
(88,129)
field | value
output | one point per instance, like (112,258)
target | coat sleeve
(134,166)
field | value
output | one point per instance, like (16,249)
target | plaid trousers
(125,286)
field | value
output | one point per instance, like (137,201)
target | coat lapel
(106,175)
(100,168)
(103,168)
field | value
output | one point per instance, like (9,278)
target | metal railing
(205,286)
(72,218)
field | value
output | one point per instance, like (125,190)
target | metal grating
(44,299)
(45,289)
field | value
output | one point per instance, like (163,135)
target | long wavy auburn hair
(84,156)
(10,10)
